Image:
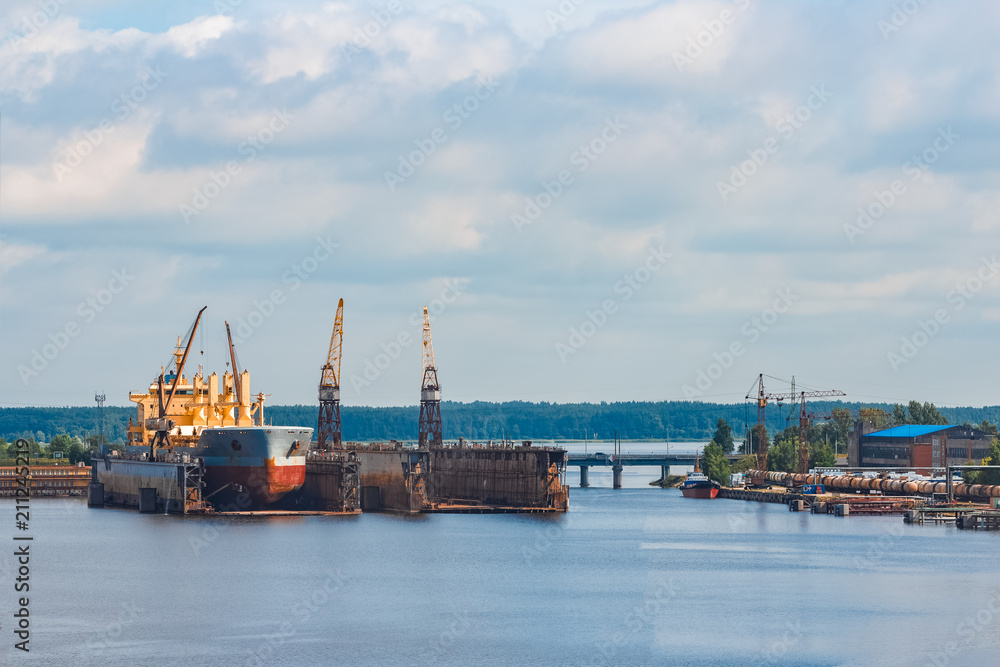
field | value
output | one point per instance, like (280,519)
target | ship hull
(253,467)
(700,492)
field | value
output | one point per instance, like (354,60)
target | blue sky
(600,201)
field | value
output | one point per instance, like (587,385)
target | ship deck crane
(762,398)
(328,427)
(163,425)
(236,371)
(429,431)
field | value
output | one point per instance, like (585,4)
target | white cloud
(355,113)
(13,255)
(191,37)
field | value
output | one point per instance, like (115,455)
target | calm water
(636,576)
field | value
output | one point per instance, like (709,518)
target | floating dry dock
(504,477)
(462,478)
(174,483)
(459,477)
(391,475)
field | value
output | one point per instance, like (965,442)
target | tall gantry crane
(762,398)
(328,428)
(430,394)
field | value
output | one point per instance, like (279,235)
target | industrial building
(917,446)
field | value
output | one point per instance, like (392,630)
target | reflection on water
(636,576)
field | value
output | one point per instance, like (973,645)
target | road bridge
(616,463)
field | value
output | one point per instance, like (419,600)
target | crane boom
(328,426)
(180,364)
(236,371)
(162,428)
(331,370)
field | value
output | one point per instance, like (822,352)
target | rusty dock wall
(333,482)
(390,476)
(505,477)
(160,486)
(398,476)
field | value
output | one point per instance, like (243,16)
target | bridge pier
(664,472)
(616,470)
(584,476)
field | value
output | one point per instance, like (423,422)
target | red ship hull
(701,492)
(265,484)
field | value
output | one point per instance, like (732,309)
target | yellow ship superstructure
(198,403)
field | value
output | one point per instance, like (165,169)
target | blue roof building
(918,446)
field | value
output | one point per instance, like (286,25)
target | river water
(632,576)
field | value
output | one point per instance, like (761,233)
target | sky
(597,200)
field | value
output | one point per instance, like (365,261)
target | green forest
(518,420)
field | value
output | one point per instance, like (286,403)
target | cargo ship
(244,463)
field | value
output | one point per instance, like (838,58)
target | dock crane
(328,427)
(762,398)
(430,394)
(163,425)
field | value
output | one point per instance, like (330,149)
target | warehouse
(918,446)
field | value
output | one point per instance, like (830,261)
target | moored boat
(697,485)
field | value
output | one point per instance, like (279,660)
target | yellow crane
(429,432)
(328,428)
(761,430)
(163,423)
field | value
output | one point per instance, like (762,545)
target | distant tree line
(69,449)
(519,420)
